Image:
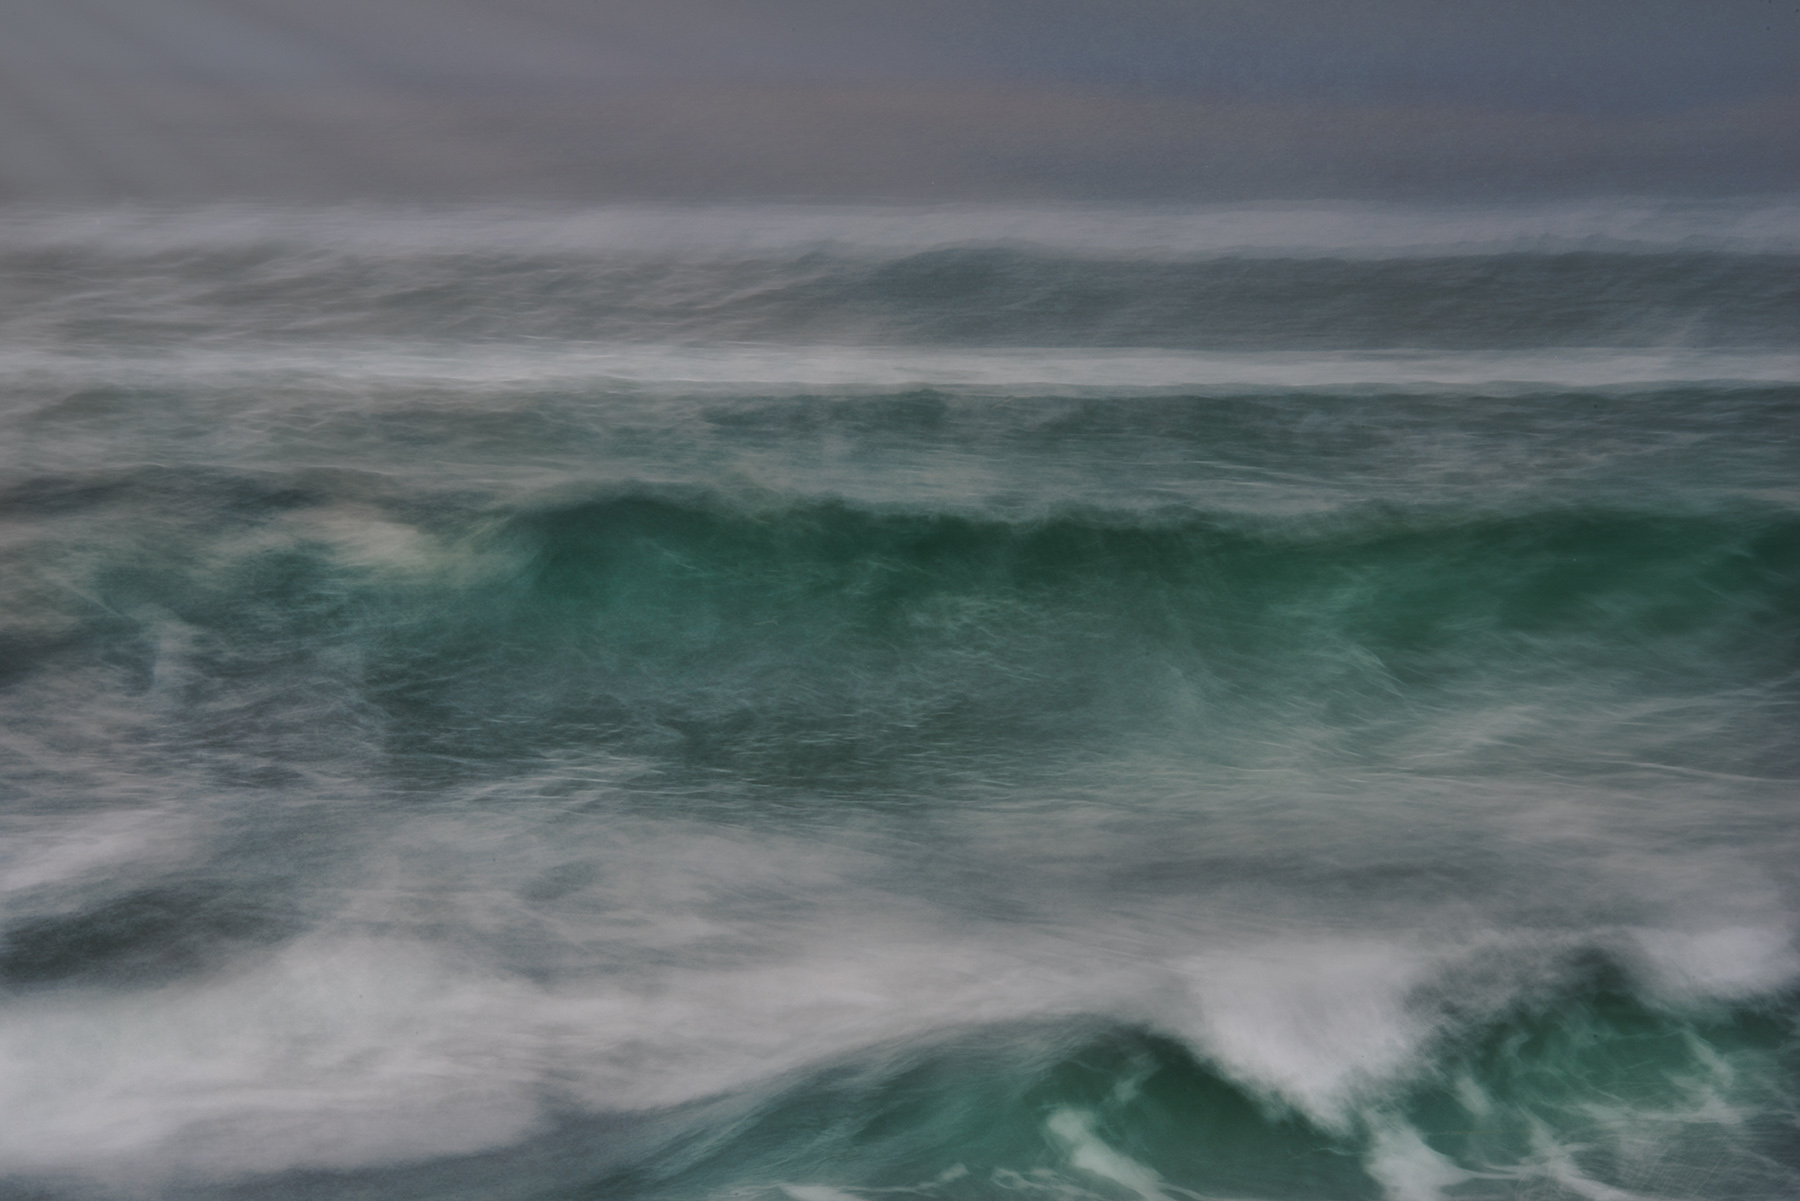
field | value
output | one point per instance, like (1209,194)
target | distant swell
(956,296)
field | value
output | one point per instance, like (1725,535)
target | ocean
(807,703)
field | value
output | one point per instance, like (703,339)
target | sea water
(808,704)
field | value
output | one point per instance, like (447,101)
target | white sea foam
(341,1052)
(1074,1129)
(1337,228)
(1315,1025)
(497,369)
(108,846)
(817,1192)
(1407,1169)
(334,1053)
(1725,963)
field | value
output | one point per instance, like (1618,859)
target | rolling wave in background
(757,702)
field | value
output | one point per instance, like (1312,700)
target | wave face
(817,704)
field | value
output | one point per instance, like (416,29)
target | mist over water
(1280,701)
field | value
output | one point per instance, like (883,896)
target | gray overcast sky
(924,99)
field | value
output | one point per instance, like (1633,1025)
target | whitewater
(805,703)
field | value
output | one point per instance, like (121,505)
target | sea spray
(1279,702)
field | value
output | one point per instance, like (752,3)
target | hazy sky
(1078,99)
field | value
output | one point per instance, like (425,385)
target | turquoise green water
(802,710)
